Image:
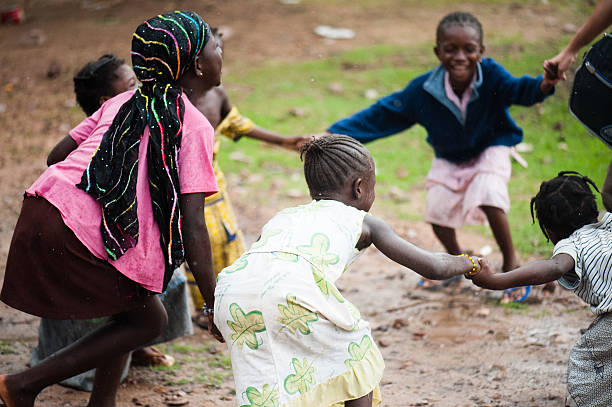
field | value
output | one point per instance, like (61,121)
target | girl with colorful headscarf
(101,231)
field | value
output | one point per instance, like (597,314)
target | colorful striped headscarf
(163,48)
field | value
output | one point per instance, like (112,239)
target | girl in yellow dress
(225,237)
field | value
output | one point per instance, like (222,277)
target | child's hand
(295,143)
(474,265)
(483,273)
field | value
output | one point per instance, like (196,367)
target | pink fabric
(455,192)
(82,214)
(465,98)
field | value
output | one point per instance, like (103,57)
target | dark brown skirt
(51,274)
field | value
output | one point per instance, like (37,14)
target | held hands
(294,143)
(484,271)
(556,67)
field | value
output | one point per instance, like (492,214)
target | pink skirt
(455,192)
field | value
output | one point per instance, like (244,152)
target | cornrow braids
(461,19)
(564,204)
(95,80)
(331,160)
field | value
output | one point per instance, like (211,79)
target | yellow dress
(225,238)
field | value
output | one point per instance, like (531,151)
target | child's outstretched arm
(434,266)
(291,143)
(538,272)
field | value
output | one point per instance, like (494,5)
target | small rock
(297,112)
(336,88)
(411,234)
(418,334)
(382,328)
(569,28)
(562,146)
(561,339)
(483,312)
(550,21)
(240,157)
(370,94)
(383,343)
(54,70)
(406,364)
(2,108)
(400,323)
(398,194)
(35,37)
(212,350)
(334,33)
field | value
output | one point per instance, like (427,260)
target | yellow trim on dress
(362,379)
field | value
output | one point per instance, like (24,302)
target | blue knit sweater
(424,101)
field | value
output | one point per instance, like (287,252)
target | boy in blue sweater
(463,104)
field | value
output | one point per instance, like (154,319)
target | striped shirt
(591,279)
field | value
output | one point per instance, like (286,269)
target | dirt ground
(455,348)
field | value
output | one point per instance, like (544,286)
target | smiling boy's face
(459,49)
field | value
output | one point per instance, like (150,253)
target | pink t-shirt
(82,214)
(465,98)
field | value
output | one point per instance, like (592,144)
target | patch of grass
(7,348)
(221,361)
(212,378)
(187,349)
(267,93)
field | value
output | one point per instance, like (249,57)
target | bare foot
(10,398)
(151,356)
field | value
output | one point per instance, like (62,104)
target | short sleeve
(196,172)
(86,127)
(571,279)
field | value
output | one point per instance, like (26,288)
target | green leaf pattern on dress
(245,326)
(295,317)
(318,254)
(238,265)
(358,351)
(303,379)
(325,285)
(284,256)
(268,397)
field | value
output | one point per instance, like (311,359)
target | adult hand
(558,65)
(213,330)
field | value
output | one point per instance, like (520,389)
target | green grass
(7,348)
(267,94)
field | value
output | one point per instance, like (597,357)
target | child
(293,338)
(463,104)
(94,84)
(567,213)
(225,237)
(104,229)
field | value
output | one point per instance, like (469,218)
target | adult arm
(390,115)
(535,273)
(599,20)
(197,249)
(61,150)
(434,266)
(606,191)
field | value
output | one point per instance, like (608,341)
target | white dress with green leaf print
(294,340)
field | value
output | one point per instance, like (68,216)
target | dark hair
(564,204)
(329,161)
(95,80)
(459,18)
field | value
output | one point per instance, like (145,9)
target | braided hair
(461,19)
(564,204)
(330,161)
(95,80)
(163,49)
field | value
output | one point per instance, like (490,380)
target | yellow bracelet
(473,271)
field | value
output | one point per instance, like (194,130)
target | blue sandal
(508,291)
